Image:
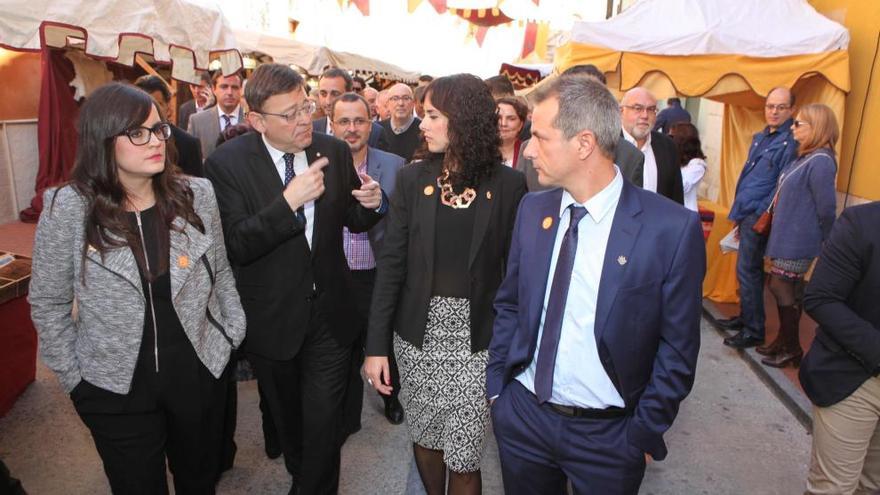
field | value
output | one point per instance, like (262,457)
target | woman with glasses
(444,255)
(803,208)
(512,114)
(134,301)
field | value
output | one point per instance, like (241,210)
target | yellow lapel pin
(183,262)
(547,223)
(429,190)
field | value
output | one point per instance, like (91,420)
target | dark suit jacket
(647,326)
(185,111)
(382,167)
(189,152)
(406,267)
(842,297)
(668,167)
(320,125)
(275,270)
(628,158)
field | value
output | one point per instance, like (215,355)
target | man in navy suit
(597,325)
(350,117)
(331,85)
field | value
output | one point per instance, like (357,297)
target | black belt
(584,412)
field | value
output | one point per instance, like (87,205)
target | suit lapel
(487,196)
(546,225)
(313,154)
(427,210)
(624,231)
(215,121)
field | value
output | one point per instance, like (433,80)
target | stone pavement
(732,436)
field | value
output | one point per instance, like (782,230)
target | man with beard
(350,118)
(662,172)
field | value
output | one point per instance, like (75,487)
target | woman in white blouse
(693,161)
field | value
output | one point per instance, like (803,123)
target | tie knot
(577,213)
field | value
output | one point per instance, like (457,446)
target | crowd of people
(466,253)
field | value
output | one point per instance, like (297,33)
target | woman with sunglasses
(134,301)
(803,211)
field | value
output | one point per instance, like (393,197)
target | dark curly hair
(473,150)
(687,139)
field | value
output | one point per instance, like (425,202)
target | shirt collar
(276,154)
(233,114)
(404,128)
(783,127)
(599,205)
(633,141)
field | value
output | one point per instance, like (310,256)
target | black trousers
(362,288)
(304,397)
(177,412)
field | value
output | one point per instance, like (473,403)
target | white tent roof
(314,59)
(758,28)
(182,32)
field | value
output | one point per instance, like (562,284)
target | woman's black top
(452,244)
(170,330)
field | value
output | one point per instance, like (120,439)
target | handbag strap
(784,176)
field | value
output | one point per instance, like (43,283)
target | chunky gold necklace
(448,196)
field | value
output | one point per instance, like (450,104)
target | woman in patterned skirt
(444,255)
(803,211)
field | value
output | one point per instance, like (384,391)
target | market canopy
(314,59)
(184,33)
(732,52)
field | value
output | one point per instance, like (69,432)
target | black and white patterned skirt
(443,386)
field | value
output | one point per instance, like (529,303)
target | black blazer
(406,266)
(275,270)
(668,167)
(189,152)
(843,298)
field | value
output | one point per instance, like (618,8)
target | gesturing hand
(307,186)
(370,193)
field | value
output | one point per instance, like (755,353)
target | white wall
(19,161)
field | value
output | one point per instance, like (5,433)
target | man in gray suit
(627,157)
(350,117)
(208,125)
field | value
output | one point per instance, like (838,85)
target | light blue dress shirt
(579,379)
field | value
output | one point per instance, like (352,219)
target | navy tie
(556,306)
(227,121)
(289,174)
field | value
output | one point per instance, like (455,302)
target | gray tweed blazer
(100,342)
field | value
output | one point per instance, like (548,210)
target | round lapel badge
(547,223)
(429,190)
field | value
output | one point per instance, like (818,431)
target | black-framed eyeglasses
(347,122)
(305,110)
(798,123)
(139,136)
(641,108)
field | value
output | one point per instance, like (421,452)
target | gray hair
(584,104)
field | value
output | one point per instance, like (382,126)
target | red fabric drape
(56,127)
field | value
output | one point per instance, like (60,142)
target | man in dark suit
(401,134)
(597,325)
(332,84)
(202,99)
(662,170)
(284,197)
(350,115)
(840,371)
(189,153)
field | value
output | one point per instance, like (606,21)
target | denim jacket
(769,153)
